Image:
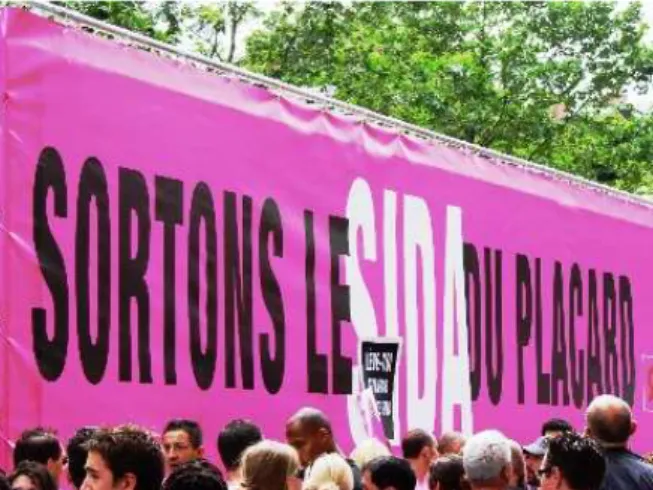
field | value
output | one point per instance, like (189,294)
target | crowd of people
(129,458)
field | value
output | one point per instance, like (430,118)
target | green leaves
(540,80)
(529,78)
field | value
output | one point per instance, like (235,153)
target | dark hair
(4,483)
(390,471)
(579,459)
(414,441)
(448,471)
(556,425)
(198,474)
(39,445)
(190,427)
(77,454)
(237,436)
(129,449)
(37,472)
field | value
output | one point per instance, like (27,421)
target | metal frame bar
(328,103)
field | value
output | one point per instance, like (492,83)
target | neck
(419,469)
(613,445)
(494,484)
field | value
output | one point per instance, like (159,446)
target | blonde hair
(369,450)
(267,465)
(330,472)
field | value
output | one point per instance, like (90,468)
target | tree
(162,23)
(212,28)
(490,73)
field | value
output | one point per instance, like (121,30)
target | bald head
(610,420)
(451,443)
(309,432)
(311,419)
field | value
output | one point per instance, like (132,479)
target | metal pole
(366,115)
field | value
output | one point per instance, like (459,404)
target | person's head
(77,453)
(447,473)
(555,427)
(388,473)
(41,446)
(533,456)
(518,479)
(573,462)
(4,483)
(487,460)
(198,474)
(420,449)
(451,443)
(330,472)
(610,421)
(270,465)
(309,432)
(182,442)
(30,475)
(237,436)
(368,450)
(123,458)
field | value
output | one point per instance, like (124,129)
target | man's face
(56,467)
(433,453)
(98,474)
(177,449)
(533,464)
(306,444)
(550,478)
(367,481)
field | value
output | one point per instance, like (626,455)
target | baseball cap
(538,447)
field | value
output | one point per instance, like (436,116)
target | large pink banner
(176,243)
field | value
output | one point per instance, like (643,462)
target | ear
(324,434)
(425,453)
(633,426)
(587,432)
(558,474)
(51,465)
(127,482)
(200,451)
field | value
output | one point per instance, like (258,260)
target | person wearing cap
(533,456)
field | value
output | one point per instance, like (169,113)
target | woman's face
(23,483)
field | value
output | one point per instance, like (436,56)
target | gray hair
(485,455)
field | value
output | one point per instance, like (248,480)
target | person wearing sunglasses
(572,462)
